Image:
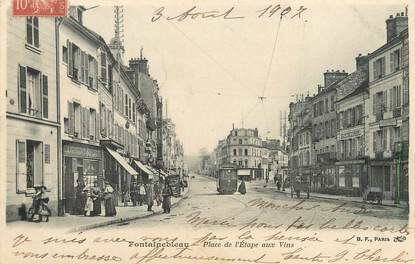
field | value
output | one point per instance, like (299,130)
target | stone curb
(340,199)
(126,219)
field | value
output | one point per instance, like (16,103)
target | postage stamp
(39,8)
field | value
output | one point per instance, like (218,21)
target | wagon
(373,194)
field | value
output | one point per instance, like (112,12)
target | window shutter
(398,96)
(385,101)
(47,154)
(20,166)
(22,89)
(95,74)
(70,58)
(391,138)
(79,63)
(71,116)
(375,71)
(374,142)
(45,100)
(385,138)
(87,74)
(36,32)
(392,62)
(97,118)
(82,73)
(88,122)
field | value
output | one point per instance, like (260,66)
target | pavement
(287,191)
(78,223)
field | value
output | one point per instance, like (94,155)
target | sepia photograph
(206,131)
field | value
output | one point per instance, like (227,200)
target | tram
(227,182)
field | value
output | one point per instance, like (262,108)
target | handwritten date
(195,12)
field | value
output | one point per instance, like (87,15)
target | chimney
(139,64)
(362,63)
(76,12)
(333,76)
(395,25)
(319,88)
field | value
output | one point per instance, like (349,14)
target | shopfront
(352,177)
(381,175)
(80,162)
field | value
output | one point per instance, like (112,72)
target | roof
(363,87)
(392,42)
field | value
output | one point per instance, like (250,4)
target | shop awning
(122,161)
(143,167)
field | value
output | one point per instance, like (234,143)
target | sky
(211,71)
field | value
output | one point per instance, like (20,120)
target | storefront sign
(82,151)
(353,133)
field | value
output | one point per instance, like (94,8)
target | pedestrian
(167,193)
(278,184)
(126,194)
(266,179)
(89,203)
(109,200)
(44,210)
(96,198)
(182,184)
(34,208)
(79,205)
(141,194)
(149,196)
(297,186)
(242,187)
(134,193)
(157,193)
(275,179)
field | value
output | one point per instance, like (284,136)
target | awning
(122,161)
(143,167)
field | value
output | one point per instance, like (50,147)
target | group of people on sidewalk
(88,199)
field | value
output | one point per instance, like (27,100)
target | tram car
(227,182)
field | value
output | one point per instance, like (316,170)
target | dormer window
(76,13)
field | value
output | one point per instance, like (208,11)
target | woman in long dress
(167,193)
(96,198)
(109,200)
(44,210)
(149,196)
(242,187)
(80,200)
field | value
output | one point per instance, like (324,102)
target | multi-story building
(324,131)
(386,80)
(352,150)
(300,143)
(80,77)
(32,116)
(277,160)
(244,149)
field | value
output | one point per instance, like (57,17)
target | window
(129,108)
(234,152)
(92,124)
(93,71)
(395,60)
(134,113)
(332,103)
(240,152)
(103,67)
(33,93)
(126,105)
(246,152)
(32,31)
(240,141)
(379,68)
(327,105)
(29,164)
(77,119)
(65,54)
(110,77)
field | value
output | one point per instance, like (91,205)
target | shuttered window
(47,153)
(45,99)
(22,90)
(32,31)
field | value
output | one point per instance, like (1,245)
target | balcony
(326,157)
(397,112)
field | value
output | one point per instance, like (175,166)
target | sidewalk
(270,185)
(78,223)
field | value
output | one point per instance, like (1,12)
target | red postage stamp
(46,8)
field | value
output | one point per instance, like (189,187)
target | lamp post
(398,155)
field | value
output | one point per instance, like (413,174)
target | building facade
(386,80)
(32,116)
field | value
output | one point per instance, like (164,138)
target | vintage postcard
(250,131)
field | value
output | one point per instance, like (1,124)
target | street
(204,204)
